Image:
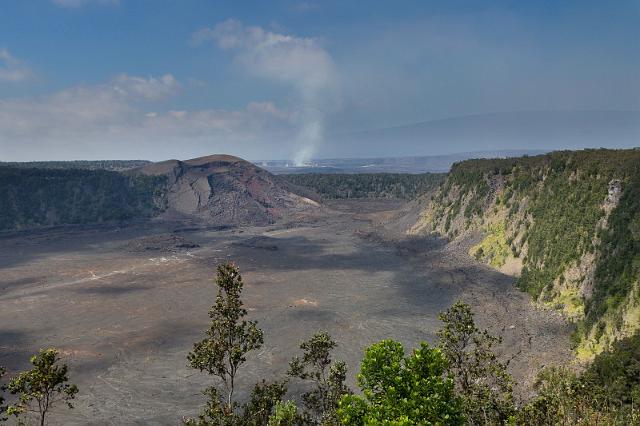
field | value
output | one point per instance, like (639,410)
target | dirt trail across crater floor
(125,319)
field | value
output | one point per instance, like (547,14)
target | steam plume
(301,63)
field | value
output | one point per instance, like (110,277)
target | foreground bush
(402,390)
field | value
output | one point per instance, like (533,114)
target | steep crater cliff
(567,224)
(41,197)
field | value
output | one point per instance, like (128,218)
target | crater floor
(125,319)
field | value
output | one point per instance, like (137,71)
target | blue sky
(179,78)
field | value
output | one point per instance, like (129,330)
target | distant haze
(409,164)
(542,130)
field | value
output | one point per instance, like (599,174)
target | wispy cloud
(13,69)
(73,4)
(150,88)
(302,6)
(303,63)
(81,108)
(105,120)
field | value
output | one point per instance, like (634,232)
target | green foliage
(401,390)
(40,388)
(565,189)
(618,265)
(559,198)
(618,372)
(327,378)
(494,248)
(368,185)
(556,401)
(285,414)
(480,378)
(229,338)
(565,212)
(460,382)
(44,197)
(262,403)
(474,184)
(256,412)
(566,399)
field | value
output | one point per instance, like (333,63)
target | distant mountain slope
(567,223)
(226,190)
(545,130)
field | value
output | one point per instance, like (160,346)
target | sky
(288,79)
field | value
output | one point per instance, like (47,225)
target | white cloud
(302,63)
(12,69)
(82,108)
(148,88)
(74,4)
(255,118)
(112,120)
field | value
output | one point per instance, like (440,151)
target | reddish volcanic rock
(227,190)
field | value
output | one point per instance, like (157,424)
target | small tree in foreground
(328,378)
(229,338)
(481,379)
(402,390)
(40,388)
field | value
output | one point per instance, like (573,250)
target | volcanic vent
(227,190)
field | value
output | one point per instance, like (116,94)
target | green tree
(285,414)
(401,390)
(262,403)
(228,340)
(481,379)
(328,378)
(618,371)
(40,388)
